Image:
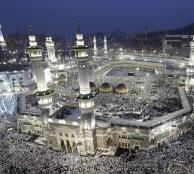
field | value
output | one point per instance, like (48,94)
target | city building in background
(176,45)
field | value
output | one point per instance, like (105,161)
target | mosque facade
(79,130)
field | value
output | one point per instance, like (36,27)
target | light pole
(142,88)
(79,144)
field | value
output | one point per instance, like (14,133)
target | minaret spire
(2,41)
(78,27)
(95,46)
(43,92)
(30,30)
(105,45)
(81,53)
(191,59)
(50,50)
(85,98)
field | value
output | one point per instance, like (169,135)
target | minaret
(50,50)
(189,81)
(191,58)
(86,98)
(95,46)
(2,41)
(105,45)
(36,58)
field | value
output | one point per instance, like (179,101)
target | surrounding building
(189,82)
(176,45)
(15,81)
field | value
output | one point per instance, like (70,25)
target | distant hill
(187,30)
(145,41)
(153,40)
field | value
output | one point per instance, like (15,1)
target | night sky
(59,16)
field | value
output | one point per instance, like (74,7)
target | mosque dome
(105,87)
(121,89)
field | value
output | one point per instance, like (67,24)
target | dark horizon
(55,17)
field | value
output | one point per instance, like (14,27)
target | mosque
(114,100)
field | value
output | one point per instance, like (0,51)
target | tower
(50,50)
(52,60)
(105,45)
(191,58)
(86,99)
(36,58)
(189,81)
(2,41)
(95,46)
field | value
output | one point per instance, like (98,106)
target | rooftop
(67,113)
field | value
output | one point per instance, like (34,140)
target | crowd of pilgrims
(167,101)
(153,97)
(20,155)
(157,98)
(66,92)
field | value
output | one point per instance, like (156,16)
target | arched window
(63,145)
(69,149)
(109,142)
(74,147)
